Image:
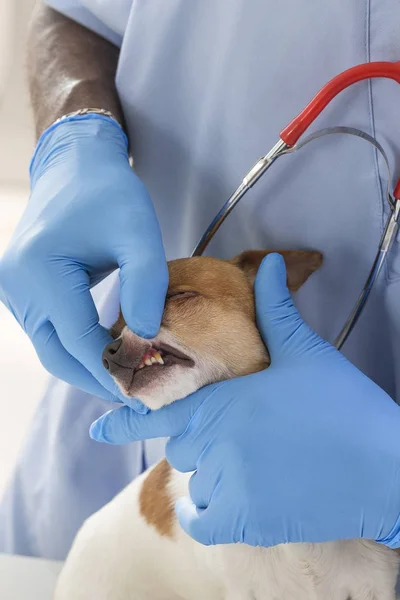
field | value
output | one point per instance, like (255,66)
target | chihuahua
(133,548)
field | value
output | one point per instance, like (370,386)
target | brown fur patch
(155,504)
(210,306)
(116,329)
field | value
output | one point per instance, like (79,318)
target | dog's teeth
(148,362)
(153,360)
(141,365)
(158,358)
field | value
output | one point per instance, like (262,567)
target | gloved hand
(87,215)
(306,451)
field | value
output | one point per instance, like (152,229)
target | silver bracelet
(89,111)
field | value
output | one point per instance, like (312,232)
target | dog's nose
(110,356)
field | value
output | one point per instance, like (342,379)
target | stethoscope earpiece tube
(387,70)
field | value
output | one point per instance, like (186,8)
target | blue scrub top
(206,87)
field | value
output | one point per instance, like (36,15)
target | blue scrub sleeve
(76,11)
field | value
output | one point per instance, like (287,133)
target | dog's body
(133,548)
(119,554)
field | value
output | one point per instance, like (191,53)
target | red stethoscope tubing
(292,132)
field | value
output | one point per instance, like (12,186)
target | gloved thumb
(125,425)
(192,520)
(283,330)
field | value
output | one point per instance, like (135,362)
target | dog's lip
(177,354)
(171,356)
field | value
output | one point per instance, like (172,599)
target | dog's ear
(300,264)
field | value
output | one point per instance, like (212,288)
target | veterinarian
(308,450)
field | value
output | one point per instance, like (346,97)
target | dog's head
(208,331)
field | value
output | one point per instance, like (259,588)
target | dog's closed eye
(181,294)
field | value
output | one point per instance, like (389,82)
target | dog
(133,548)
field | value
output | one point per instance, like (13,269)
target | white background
(22,377)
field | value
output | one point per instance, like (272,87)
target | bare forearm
(69,68)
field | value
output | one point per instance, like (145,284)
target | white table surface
(23,578)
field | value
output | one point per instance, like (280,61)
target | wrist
(78,136)
(393,539)
(390,534)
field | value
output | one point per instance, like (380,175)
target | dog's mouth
(144,365)
(154,365)
(163,355)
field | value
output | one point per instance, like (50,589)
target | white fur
(118,556)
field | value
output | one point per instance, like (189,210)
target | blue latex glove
(87,215)
(306,451)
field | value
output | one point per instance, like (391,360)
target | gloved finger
(278,320)
(76,321)
(62,365)
(125,425)
(193,520)
(143,290)
(200,488)
(144,283)
(184,450)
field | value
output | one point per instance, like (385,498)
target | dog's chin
(159,385)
